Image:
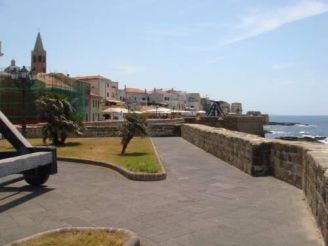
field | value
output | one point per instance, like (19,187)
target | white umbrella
(115,110)
(159,111)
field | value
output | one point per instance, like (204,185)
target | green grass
(78,238)
(139,157)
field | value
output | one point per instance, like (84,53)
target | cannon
(216,109)
(36,163)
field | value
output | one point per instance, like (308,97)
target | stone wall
(240,123)
(164,127)
(244,151)
(205,120)
(244,123)
(304,165)
(155,128)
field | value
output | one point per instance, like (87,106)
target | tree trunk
(63,137)
(124,148)
(125,144)
(55,139)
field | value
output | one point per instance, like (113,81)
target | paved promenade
(204,201)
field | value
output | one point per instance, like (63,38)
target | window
(40,58)
(44,69)
(44,59)
(107,85)
(34,58)
(107,94)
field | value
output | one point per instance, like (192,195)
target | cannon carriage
(35,163)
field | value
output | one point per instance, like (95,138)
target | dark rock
(285,124)
(307,139)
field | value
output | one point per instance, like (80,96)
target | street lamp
(24,79)
(156,111)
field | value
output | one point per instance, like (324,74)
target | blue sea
(308,126)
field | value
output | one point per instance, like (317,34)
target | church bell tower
(39,56)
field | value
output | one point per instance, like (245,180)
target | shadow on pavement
(7,202)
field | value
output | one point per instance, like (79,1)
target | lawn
(78,238)
(139,157)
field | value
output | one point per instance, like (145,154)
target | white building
(193,102)
(170,98)
(102,86)
(175,100)
(236,108)
(134,97)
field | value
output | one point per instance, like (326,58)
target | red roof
(156,91)
(96,77)
(94,95)
(134,91)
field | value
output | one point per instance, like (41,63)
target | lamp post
(156,111)
(24,79)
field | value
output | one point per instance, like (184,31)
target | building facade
(94,108)
(102,86)
(134,97)
(236,108)
(193,102)
(175,100)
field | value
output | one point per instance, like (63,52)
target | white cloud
(126,69)
(281,66)
(255,25)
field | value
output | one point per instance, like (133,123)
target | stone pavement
(204,201)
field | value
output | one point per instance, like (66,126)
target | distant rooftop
(134,90)
(94,95)
(92,77)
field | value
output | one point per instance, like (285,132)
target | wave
(277,132)
(321,139)
(312,136)
(305,125)
(325,141)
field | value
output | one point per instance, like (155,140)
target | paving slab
(203,201)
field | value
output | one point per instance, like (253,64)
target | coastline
(298,128)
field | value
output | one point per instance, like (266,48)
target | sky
(270,55)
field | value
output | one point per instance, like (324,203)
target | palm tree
(60,116)
(134,125)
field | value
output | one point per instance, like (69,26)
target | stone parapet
(304,165)
(155,128)
(240,123)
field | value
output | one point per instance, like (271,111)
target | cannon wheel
(37,177)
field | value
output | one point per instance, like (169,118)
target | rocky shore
(272,123)
(307,139)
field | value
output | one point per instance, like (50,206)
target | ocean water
(308,126)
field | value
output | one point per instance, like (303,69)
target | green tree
(134,125)
(60,116)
